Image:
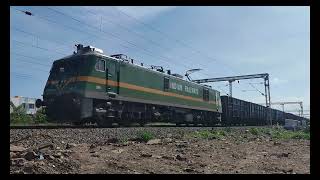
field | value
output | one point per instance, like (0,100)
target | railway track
(66,126)
(86,126)
(50,127)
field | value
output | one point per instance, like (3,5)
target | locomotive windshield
(63,68)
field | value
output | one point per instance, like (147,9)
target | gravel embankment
(93,135)
(90,135)
(101,150)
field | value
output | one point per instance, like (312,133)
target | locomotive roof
(115,59)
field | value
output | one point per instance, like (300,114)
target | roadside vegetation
(145,136)
(210,134)
(18,116)
(280,133)
(276,132)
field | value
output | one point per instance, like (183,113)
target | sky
(222,41)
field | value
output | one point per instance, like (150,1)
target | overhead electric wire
(23,60)
(257,89)
(105,33)
(70,27)
(31,14)
(256,83)
(144,50)
(31,45)
(100,29)
(24,77)
(20,74)
(30,57)
(62,43)
(58,43)
(31,34)
(98,37)
(174,39)
(223,91)
(112,34)
(22,66)
(143,37)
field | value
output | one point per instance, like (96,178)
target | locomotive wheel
(101,116)
(116,125)
(183,124)
(78,123)
(211,124)
(103,123)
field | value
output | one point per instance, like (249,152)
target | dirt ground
(166,155)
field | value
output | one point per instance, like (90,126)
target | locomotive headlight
(39,103)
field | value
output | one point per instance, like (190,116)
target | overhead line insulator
(27,13)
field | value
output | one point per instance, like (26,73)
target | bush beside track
(19,117)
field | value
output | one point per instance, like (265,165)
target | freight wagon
(239,112)
(277,117)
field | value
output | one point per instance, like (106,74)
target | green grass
(274,133)
(284,134)
(307,129)
(227,129)
(280,133)
(40,118)
(254,131)
(123,140)
(145,136)
(16,118)
(206,134)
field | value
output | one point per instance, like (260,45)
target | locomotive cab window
(101,65)
(206,94)
(166,84)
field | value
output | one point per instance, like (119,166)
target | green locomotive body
(90,86)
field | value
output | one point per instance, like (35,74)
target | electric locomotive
(89,86)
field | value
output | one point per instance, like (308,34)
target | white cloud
(145,12)
(251,60)
(277,81)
